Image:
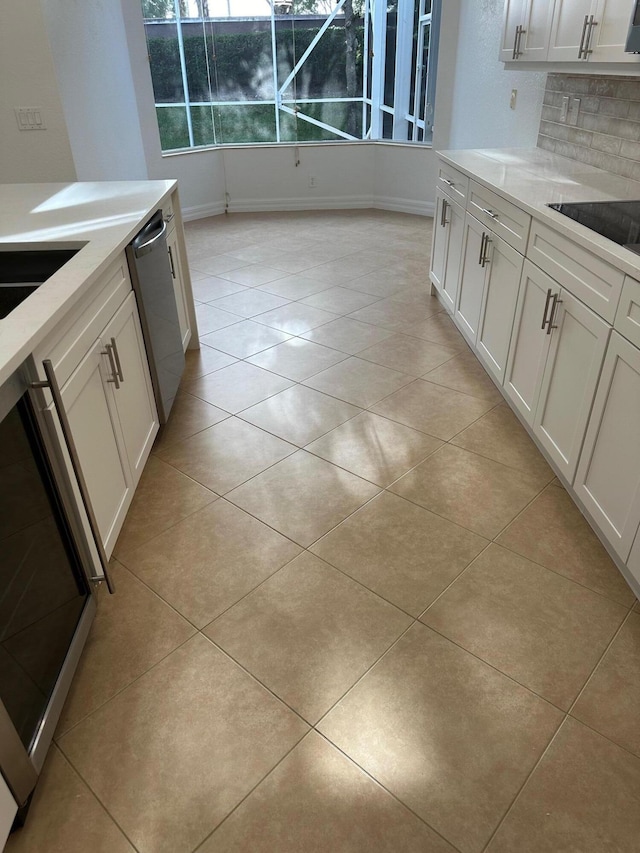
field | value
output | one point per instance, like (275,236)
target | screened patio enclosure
(228,72)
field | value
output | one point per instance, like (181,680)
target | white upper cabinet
(527,26)
(566,31)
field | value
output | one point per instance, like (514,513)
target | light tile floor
(355,610)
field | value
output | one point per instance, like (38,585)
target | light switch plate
(30,118)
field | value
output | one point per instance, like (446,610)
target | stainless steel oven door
(50,561)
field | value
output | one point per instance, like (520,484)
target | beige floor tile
(347,335)
(250,302)
(169,769)
(610,702)
(582,797)
(334,272)
(439,329)
(245,338)
(299,414)
(163,497)
(444,732)
(252,276)
(400,551)
(217,264)
(188,416)
(381,283)
(552,532)
(292,262)
(359,382)
(303,496)
(409,355)
(396,316)
(475,492)
(339,300)
(210,288)
(543,630)
(65,817)
(374,448)
(295,286)
(433,409)
(227,454)
(209,561)
(499,435)
(308,633)
(237,387)
(636,607)
(132,631)
(465,373)
(418,293)
(316,801)
(297,359)
(295,318)
(199,362)
(210,318)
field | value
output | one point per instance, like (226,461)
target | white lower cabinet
(178,286)
(529,343)
(578,342)
(109,402)
(633,563)
(8,810)
(608,477)
(447,247)
(498,306)
(472,278)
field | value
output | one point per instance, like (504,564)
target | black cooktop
(617,220)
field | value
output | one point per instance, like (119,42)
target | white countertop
(99,217)
(534,178)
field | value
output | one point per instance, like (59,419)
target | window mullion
(183,69)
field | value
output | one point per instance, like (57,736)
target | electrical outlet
(574,110)
(513,99)
(313,181)
(565,109)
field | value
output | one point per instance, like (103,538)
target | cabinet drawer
(627,320)
(453,183)
(168,213)
(503,218)
(592,280)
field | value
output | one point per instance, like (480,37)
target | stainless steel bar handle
(448,182)
(587,50)
(489,212)
(485,258)
(116,355)
(514,55)
(552,314)
(173,269)
(584,32)
(443,213)
(108,351)
(481,255)
(546,308)
(520,34)
(52,384)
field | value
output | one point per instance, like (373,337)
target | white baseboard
(254,205)
(201,211)
(405,205)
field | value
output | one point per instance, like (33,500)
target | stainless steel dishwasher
(150,270)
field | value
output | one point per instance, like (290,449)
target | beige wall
(27,79)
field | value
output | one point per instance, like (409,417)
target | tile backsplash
(603,131)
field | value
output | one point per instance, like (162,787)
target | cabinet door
(133,393)
(8,809)
(568,29)
(178,286)
(608,478)
(455,217)
(609,33)
(96,431)
(570,378)
(534,43)
(472,278)
(514,17)
(499,306)
(440,241)
(529,342)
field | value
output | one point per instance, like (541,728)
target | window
(255,71)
